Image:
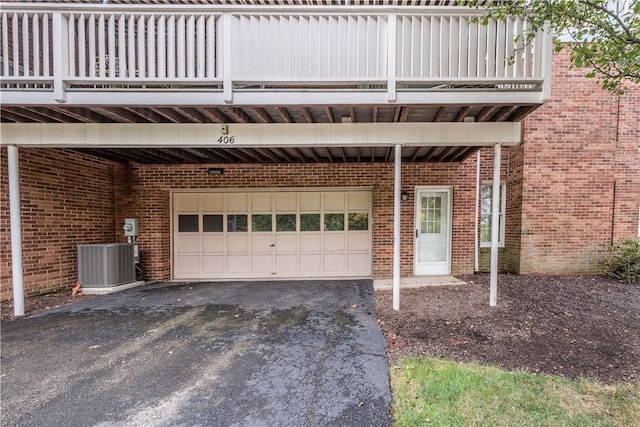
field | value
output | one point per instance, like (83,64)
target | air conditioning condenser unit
(106,265)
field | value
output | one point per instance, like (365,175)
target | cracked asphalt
(298,353)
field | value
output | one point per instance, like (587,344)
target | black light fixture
(215,171)
(404,195)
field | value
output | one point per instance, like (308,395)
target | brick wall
(147,196)
(580,175)
(66,199)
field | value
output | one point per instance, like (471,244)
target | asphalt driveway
(303,353)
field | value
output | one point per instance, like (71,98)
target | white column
(495,226)
(397,184)
(476,250)
(16,230)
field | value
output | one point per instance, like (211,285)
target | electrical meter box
(131,227)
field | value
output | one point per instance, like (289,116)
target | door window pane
(359,221)
(334,222)
(285,222)
(309,222)
(261,222)
(212,223)
(188,223)
(237,223)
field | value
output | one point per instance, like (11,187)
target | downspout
(396,226)
(16,230)
(476,255)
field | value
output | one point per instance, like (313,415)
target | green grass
(435,392)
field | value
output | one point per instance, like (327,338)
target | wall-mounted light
(404,195)
(215,171)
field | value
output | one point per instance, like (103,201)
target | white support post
(495,226)
(476,245)
(16,230)
(397,184)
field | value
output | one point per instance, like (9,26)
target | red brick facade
(67,199)
(580,176)
(573,188)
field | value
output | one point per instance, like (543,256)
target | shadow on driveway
(299,353)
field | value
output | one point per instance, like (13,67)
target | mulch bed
(579,327)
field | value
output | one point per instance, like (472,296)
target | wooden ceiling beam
(263,115)
(239,115)
(484,113)
(192,114)
(170,114)
(285,115)
(306,111)
(330,115)
(214,114)
(439,114)
(462,114)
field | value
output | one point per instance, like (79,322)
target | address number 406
(226,139)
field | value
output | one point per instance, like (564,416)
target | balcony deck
(332,62)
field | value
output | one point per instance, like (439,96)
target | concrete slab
(417,282)
(306,353)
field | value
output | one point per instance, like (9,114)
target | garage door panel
(310,242)
(213,244)
(188,244)
(287,263)
(212,202)
(358,262)
(310,202)
(334,242)
(286,243)
(189,264)
(334,262)
(358,242)
(237,203)
(213,264)
(310,263)
(334,201)
(238,264)
(238,243)
(261,243)
(187,202)
(261,202)
(286,202)
(359,200)
(261,263)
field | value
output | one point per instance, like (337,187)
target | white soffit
(259,135)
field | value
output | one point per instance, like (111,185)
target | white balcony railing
(60,49)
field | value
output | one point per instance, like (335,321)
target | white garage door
(272,234)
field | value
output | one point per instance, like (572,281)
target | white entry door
(432,231)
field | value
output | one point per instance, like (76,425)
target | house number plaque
(225,139)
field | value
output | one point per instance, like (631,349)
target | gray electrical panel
(105,265)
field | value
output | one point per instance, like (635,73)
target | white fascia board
(278,98)
(107,135)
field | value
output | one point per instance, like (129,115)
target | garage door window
(237,223)
(261,222)
(309,222)
(213,223)
(188,224)
(334,222)
(286,222)
(358,221)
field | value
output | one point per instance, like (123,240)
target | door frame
(416,219)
